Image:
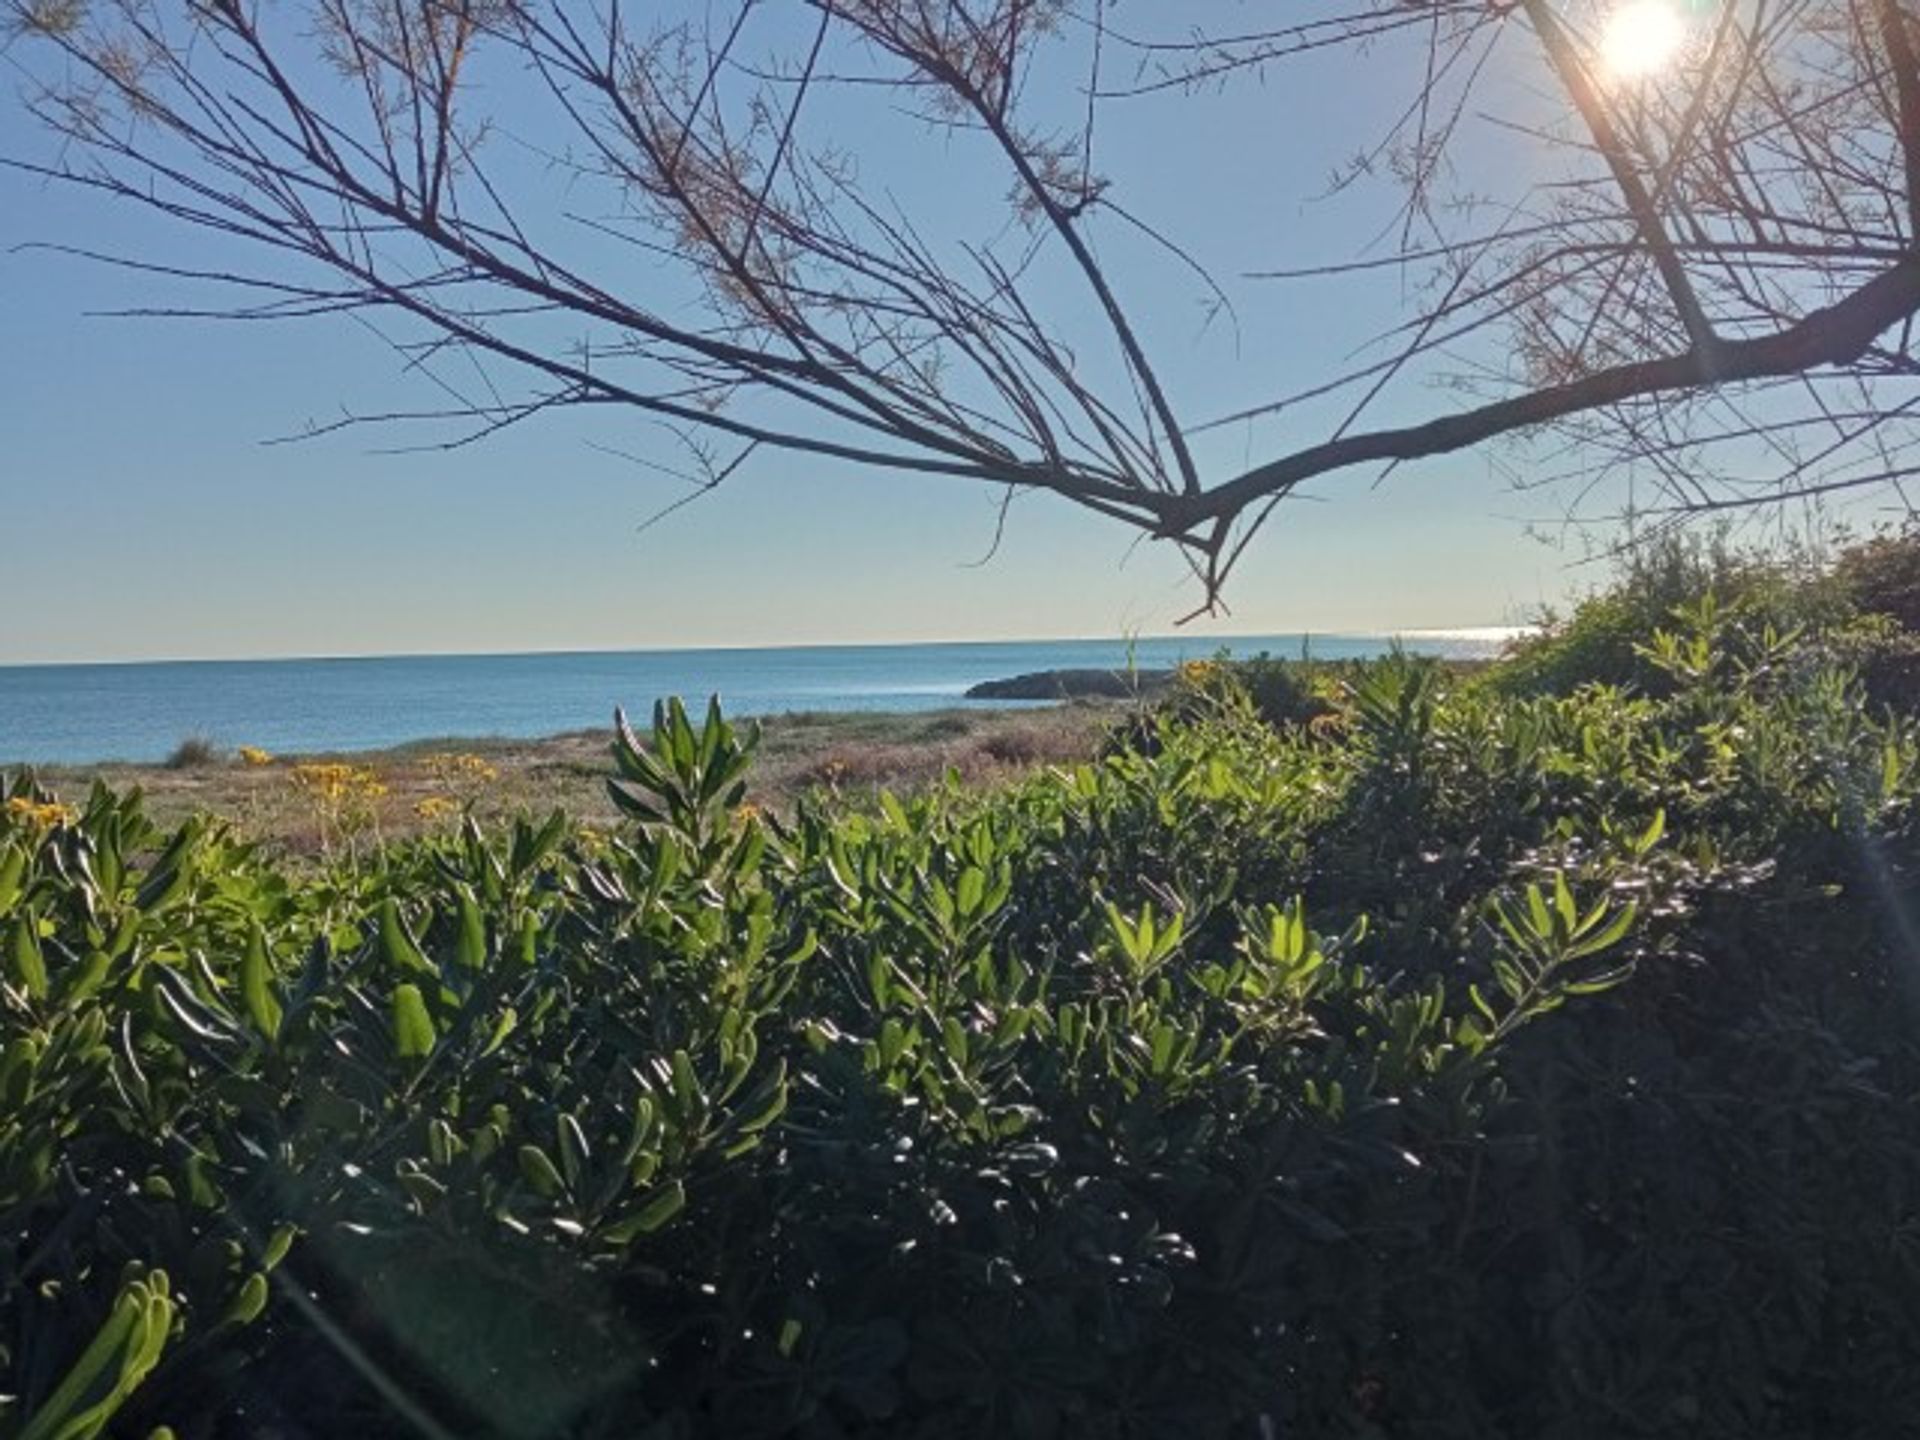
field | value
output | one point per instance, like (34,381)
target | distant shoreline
(850,752)
(85,714)
(1460,634)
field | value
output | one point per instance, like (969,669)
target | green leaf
(413,1033)
(471,948)
(401,951)
(669,1202)
(955,1036)
(1480,1003)
(971,890)
(165,884)
(122,1353)
(1563,903)
(13,868)
(26,962)
(540,1172)
(1595,984)
(1509,978)
(1615,930)
(686,1086)
(574,1150)
(17,1064)
(248,1304)
(643,1118)
(277,1246)
(86,978)
(774,1104)
(256,985)
(509,1019)
(1537,913)
(188,1011)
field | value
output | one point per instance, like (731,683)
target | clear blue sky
(145,518)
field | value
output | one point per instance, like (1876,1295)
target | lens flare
(1642,37)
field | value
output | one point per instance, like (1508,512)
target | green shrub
(196,752)
(1600,640)
(1285,694)
(1881,575)
(1256,1081)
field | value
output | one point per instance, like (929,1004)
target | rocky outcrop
(1073,685)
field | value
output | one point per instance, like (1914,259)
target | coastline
(851,752)
(70,715)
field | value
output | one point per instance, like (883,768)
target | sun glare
(1642,37)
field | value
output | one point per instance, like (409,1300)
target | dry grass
(851,755)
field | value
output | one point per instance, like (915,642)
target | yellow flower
(254,755)
(39,815)
(328,782)
(461,767)
(333,782)
(436,807)
(1197,672)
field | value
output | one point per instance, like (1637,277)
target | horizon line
(1459,632)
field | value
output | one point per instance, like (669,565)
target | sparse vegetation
(902,752)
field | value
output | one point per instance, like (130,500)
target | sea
(139,711)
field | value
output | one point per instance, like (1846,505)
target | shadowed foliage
(1445,1063)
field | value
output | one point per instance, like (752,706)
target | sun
(1641,38)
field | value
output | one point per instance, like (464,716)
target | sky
(148,516)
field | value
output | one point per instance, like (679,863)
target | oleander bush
(1454,1063)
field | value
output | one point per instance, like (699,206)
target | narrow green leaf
(574,1150)
(1537,913)
(13,868)
(1563,903)
(671,1200)
(256,985)
(471,948)
(1481,1004)
(509,1019)
(26,962)
(277,1246)
(774,1105)
(1615,930)
(122,1352)
(686,1087)
(1606,980)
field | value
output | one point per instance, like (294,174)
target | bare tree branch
(1673,284)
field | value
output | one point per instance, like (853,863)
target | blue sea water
(77,714)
